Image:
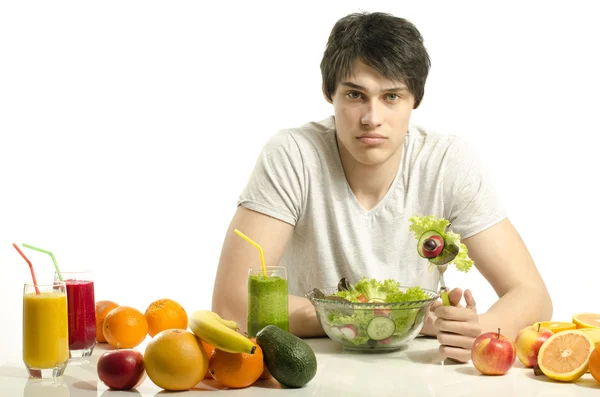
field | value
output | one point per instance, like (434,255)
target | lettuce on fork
(422,224)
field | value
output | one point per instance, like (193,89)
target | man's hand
(429,328)
(457,326)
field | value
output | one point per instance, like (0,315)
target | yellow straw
(262,255)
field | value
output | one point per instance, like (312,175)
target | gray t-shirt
(299,179)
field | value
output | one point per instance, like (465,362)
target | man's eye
(354,95)
(393,97)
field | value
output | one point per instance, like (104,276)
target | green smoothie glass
(267,299)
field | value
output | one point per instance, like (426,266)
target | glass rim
(258,270)
(268,267)
(54,284)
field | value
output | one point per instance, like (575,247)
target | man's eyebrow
(360,87)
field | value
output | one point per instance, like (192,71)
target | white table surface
(414,371)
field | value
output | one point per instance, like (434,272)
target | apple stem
(539,325)
(498,333)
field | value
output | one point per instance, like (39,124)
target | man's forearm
(303,318)
(517,309)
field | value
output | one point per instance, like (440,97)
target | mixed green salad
(378,324)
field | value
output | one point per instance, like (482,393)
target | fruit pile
(178,359)
(561,351)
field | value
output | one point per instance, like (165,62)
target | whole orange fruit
(175,360)
(208,349)
(236,370)
(102,309)
(594,363)
(125,327)
(165,314)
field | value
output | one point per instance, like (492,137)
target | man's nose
(372,116)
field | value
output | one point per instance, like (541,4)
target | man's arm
(503,259)
(230,294)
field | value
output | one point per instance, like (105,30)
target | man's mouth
(372,139)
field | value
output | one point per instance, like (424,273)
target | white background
(128,129)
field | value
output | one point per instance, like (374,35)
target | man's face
(371,115)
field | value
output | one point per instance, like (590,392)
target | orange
(102,309)
(236,370)
(564,356)
(587,320)
(125,327)
(594,363)
(556,326)
(208,349)
(175,360)
(165,314)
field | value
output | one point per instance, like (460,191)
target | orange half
(593,333)
(564,356)
(587,320)
(556,326)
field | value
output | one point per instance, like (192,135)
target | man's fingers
(470,301)
(455,313)
(435,305)
(454,340)
(455,353)
(457,327)
(455,296)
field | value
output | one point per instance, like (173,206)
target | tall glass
(267,299)
(82,312)
(45,330)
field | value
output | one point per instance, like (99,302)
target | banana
(220,333)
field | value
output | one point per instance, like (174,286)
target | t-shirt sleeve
(276,184)
(470,200)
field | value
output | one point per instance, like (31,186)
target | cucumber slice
(380,328)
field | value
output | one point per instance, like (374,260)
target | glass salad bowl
(374,326)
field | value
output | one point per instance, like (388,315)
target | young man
(332,199)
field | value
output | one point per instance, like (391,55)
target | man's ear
(325,94)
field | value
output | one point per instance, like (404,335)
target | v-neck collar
(390,191)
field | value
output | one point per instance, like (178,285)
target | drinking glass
(45,330)
(82,312)
(267,299)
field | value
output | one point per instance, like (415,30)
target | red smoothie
(82,314)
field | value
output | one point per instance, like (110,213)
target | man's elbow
(546,307)
(230,309)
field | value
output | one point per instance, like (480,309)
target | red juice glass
(81,306)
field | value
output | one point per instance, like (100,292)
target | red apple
(528,343)
(493,353)
(121,369)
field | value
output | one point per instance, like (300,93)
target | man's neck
(370,183)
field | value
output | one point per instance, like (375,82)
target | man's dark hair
(393,46)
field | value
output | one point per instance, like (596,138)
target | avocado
(431,244)
(289,359)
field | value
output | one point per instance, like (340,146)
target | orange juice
(45,329)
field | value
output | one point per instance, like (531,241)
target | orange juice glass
(45,330)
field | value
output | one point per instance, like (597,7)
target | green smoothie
(267,302)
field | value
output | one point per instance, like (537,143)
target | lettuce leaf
(381,291)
